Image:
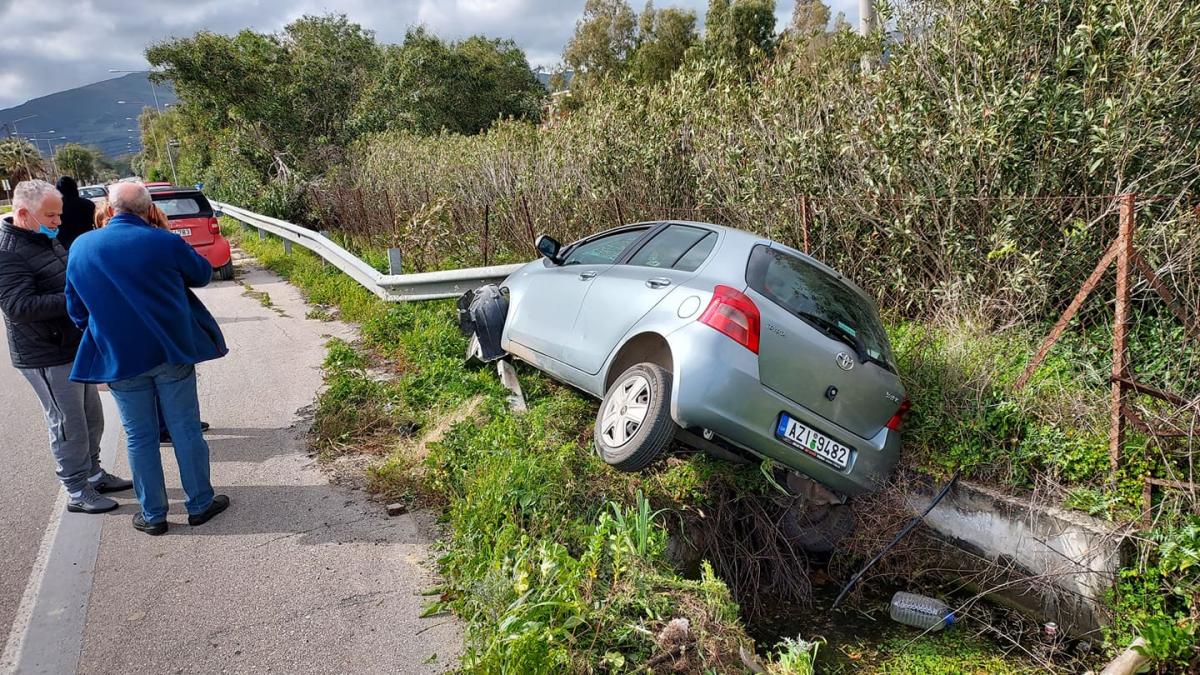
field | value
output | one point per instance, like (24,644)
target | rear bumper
(217,253)
(717,387)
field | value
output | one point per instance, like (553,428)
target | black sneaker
(219,504)
(152,529)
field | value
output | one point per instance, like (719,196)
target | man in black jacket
(77,213)
(42,342)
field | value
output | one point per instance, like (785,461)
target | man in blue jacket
(128,289)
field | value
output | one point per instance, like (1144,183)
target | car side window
(697,254)
(603,250)
(678,247)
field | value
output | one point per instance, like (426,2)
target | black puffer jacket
(33,274)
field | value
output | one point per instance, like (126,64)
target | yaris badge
(845,361)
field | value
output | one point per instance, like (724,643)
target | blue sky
(51,45)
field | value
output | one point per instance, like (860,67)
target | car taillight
(214,226)
(735,315)
(898,418)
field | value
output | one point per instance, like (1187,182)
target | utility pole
(158,109)
(866,25)
(25,160)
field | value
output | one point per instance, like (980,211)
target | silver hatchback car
(729,341)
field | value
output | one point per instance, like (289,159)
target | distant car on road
(96,193)
(193,218)
(734,343)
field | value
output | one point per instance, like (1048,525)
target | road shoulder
(299,574)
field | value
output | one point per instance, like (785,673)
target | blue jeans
(172,386)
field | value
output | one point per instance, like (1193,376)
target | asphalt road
(28,487)
(298,576)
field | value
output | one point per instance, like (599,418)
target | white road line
(16,636)
(58,612)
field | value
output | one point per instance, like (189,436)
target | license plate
(183,231)
(811,441)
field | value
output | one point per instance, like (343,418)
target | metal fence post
(487,216)
(395,263)
(804,221)
(1116,436)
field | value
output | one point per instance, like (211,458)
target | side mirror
(217,213)
(549,247)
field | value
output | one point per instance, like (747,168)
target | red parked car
(193,218)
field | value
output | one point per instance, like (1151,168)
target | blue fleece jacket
(128,290)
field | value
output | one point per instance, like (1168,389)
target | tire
(624,441)
(817,529)
(224,272)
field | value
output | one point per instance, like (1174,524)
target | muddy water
(847,631)
(860,635)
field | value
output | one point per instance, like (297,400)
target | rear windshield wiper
(837,332)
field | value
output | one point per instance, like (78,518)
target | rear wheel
(224,272)
(634,423)
(817,529)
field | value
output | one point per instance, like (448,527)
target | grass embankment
(554,561)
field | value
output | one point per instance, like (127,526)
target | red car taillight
(898,418)
(735,315)
(214,226)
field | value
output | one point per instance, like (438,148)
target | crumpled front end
(481,315)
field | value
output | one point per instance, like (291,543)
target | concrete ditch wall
(1054,564)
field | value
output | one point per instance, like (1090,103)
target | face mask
(45,230)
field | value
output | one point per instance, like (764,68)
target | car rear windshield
(192,206)
(805,289)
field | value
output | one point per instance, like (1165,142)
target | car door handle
(658,282)
(587,275)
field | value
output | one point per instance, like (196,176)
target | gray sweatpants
(75,417)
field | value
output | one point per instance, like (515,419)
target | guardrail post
(394,261)
(287,247)
(324,233)
(262,234)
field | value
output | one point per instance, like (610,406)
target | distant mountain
(91,115)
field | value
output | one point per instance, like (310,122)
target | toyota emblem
(845,361)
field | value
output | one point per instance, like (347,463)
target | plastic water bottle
(921,612)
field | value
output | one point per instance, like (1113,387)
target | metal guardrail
(390,287)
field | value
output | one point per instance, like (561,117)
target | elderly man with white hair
(42,342)
(129,290)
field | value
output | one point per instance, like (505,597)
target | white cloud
(51,45)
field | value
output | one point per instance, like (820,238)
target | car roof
(173,191)
(749,239)
(167,187)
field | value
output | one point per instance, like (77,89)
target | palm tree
(19,160)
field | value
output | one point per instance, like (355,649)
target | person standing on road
(42,343)
(77,212)
(129,289)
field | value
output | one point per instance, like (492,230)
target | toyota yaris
(726,340)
